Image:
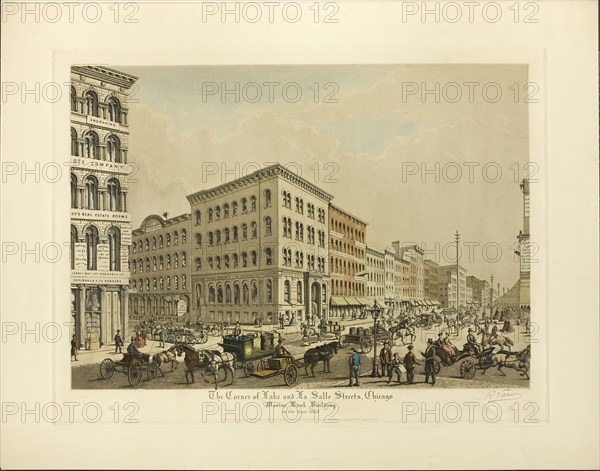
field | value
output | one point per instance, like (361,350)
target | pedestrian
(395,367)
(354,367)
(161,337)
(409,363)
(74,348)
(281,320)
(385,358)
(118,342)
(429,361)
(293,320)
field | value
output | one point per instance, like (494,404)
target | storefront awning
(365,301)
(338,301)
(352,301)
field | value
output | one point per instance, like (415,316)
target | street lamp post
(375,313)
(457,238)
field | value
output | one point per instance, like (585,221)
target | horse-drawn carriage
(185,335)
(254,353)
(133,367)
(364,338)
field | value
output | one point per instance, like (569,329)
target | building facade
(430,281)
(161,268)
(525,251)
(347,262)
(376,274)
(100,223)
(259,245)
(449,286)
(413,286)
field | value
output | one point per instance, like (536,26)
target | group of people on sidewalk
(391,364)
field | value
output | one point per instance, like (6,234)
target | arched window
(254,292)
(228,293)
(153,243)
(287,290)
(160,241)
(254,229)
(161,283)
(220,295)
(244,231)
(113,148)
(91,145)
(183,282)
(225,210)
(91,103)
(113,188)
(253,203)
(246,294)
(218,213)
(114,249)
(168,282)
(73,101)
(161,261)
(114,110)
(176,282)
(73,191)
(218,237)
(198,215)
(168,261)
(211,294)
(234,208)
(299,292)
(253,257)
(176,261)
(91,242)
(269,291)
(226,235)
(198,263)
(269,256)
(154,264)
(74,143)
(226,261)
(236,294)
(268,225)
(73,242)
(235,260)
(183,259)
(210,214)
(244,259)
(218,262)
(267,194)
(235,233)
(168,240)
(147,284)
(175,238)
(183,236)
(211,239)
(91,192)
(141,265)
(244,205)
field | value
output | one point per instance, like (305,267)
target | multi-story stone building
(100,223)
(413,290)
(392,296)
(259,245)
(430,282)
(376,274)
(161,269)
(449,286)
(347,261)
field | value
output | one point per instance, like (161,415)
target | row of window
(158,263)
(231,293)
(344,267)
(287,203)
(92,194)
(299,232)
(299,257)
(89,146)
(154,242)
(349,249)
(375,291)
(347,288)
(91,106)
(227,210)
(158,284)
(92,240)
(347,231)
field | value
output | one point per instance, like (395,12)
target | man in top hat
(429,361)
(118,342)
(409,363)
(354,367)
(472,341)
(395,367)
(385,358)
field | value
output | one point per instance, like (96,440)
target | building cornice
(105,74)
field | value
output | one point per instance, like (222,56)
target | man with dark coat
(118,342)
(409,363)
(429,362)
(395,367)
(354,367)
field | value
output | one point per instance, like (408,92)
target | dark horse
(323,353)
(208,361)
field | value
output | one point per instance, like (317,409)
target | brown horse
(323,353)
(166,356)
(517,361)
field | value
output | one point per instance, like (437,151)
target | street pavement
(86,371)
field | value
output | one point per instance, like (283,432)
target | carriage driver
(471,340)
(133,350)
(281,351)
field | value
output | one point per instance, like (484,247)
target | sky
(416,151)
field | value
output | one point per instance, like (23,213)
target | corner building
(259,249)
(100,223)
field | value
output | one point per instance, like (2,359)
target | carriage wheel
(134,375)
(152,370)
(366,344)
(343,342)
(189,338)
(437,366)
(107,368)
(467,369)
(203,338)
(248,368)
(290,375)
(485,362)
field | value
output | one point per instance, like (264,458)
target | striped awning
(365,301)
(352,301)
(338,301)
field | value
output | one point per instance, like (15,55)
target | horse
(500,340)
(166,356)
(323,353)
(520,362)
(207,361)
(401,332)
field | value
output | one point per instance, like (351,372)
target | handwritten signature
(501,395)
